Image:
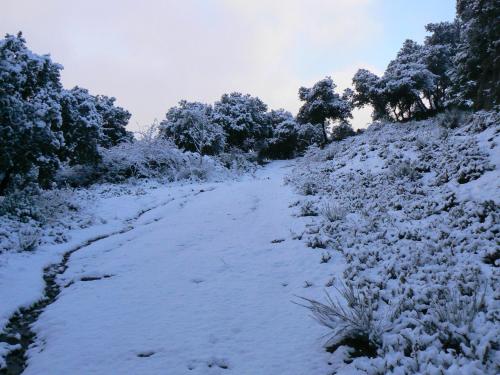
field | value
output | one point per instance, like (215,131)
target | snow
(199,278)
(201,283)
(21,279)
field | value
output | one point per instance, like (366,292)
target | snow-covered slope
(414,208)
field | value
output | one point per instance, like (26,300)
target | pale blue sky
(150,54)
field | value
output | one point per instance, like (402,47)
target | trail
(200,285)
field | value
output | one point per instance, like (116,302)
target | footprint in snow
(211,363)
(145,354)
(278,240)
(218,362)
(94,278)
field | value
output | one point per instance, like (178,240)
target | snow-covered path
(201,285)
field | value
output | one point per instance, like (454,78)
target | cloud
(151,54)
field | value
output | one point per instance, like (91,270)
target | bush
(35,204)
(451,118)
(238,161)
(333,212)
(308,209)
(341,131)
(29,237)
(405,169)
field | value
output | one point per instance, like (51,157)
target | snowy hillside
(414,210)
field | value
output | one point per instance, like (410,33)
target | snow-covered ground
(415,210)
(202,284)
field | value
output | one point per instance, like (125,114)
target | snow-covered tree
(42,124)
(30,117)
(283,142)
(369,90)
(407,82)
(289,137)
(438,53)
(114,121)
(416,84)
(478,58)
(322,105)
(243,119)
(190,127)
(81,126)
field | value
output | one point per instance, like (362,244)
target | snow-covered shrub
(33,214)
(29,236)
(482,120)
(238,161)
(308,209)
(404,169)
(333,212)
(285,141)
(341,131)
(451,118)
(144,158)
(36,204)
(158,158)
(288,137)
(77,175)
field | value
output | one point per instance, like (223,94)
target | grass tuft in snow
(350,320)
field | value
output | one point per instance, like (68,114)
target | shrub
(451,118)
(405,169)
(333,212)
(34,204)
(29,237)
(308,209)
(238,161)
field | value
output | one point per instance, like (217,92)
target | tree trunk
(324,133)
(4,184)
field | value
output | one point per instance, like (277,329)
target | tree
(478,59)
(243,119)
(81,127)
(369,90)
(416,84)
(190,127)
(438,53)
(407,82)
(114,121)
(322,105)
(283,142)
(30,120)
(42,124)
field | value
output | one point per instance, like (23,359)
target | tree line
(43,125)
